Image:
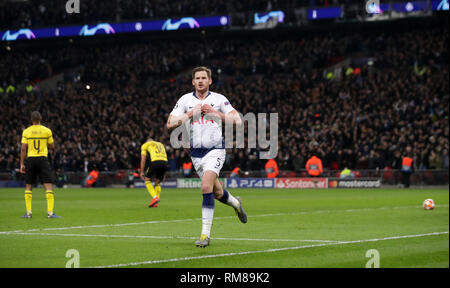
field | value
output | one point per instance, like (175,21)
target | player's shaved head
(36,117)
(201,68)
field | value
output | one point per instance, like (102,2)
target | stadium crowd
(365,120)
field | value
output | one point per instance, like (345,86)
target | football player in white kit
(207,145)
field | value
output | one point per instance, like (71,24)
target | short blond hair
(201,68)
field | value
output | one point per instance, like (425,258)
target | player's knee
(207,188)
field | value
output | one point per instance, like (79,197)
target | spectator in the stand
(445,160)
(435,161)
(172,162)
(254,164)
(346,173)
(373,162)
(298,162)
(61,179)
(132,175)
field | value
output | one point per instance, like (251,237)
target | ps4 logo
(8,36)
(168,25)
(105,27)
(250,183)
(279,15)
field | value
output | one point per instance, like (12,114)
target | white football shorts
(212,161)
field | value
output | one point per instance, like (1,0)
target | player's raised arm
(233,117)
(175,119)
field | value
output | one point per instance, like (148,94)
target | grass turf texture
(315,228)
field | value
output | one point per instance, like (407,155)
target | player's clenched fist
(197,110)
(206,108)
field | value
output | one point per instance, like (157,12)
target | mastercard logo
(333,184)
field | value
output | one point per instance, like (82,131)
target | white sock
(207,219)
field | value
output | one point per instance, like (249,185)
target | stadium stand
(364,120)
(20,14)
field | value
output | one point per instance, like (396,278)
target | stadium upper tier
(27,14)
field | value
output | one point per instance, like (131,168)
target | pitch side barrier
(354,183)
(279,183)
(226,183)
(256,179)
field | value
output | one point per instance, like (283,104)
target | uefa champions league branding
(26,33)
(168,25)
(257,128)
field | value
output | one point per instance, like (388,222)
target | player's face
(201,81)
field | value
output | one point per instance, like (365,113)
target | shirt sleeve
(24,137)
(50,137)
(144,149)
(179,108)
(225,106)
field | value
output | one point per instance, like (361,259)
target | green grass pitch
(113,227)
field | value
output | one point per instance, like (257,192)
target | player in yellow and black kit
(36,140)
(153,168)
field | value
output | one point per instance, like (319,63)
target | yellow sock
(158,190)
(150,188)
(50,201)
(28,197)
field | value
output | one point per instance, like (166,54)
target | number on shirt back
(38,146)
(157,148)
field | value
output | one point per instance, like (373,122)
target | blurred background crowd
(397,97)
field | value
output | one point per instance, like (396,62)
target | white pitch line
(268,250)
(275,240)
(167,237)
(217,218)
(103,225)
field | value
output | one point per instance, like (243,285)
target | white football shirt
(205,134)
